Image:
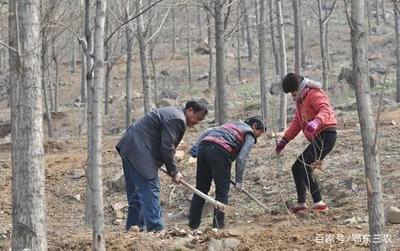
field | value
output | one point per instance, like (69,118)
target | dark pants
(213,163)
(144,209)
(303,172)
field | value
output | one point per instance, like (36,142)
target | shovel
(220,206)
(253,198)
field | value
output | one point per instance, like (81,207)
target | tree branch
(7,46)
(134,17)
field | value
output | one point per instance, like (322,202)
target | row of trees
(29,40)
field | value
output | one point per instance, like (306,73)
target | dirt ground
(268,176)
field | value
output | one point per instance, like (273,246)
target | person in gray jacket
(146,146)
(216,149)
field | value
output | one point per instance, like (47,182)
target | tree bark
(96,149)
(384,11)
(28,177)
(262,58)
(220,61)
(367,124)
(283,68)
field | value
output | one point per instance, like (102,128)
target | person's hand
(280,145)
(312,126)
(239,186)
(194,151)
(177,178)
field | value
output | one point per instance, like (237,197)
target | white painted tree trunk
(28,179)
(96,149)
(262,58)
(283,68)
(368,129)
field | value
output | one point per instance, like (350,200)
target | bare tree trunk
(248,32)
(328,57)
(297,41)
(89,81)
(73,56)
(173,33)
(47,107)
(83,77)
(397,27)
(377,12)
(369,15)
(28,177)
(210,49)
(199,21)
(56,79)
(128,76)
(303,50)
(96,149)
(322,41)
(220,61)
(142,36)
(42,70)
(238,54)
(262,58)
(384,11)
(189,55)
(107,88)
(367,124)
(109,66)
(282,44)
(275,50)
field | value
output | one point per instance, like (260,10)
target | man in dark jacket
(146,146)
(216,149)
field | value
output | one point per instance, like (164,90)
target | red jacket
(313,104)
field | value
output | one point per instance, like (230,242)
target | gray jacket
(151,142)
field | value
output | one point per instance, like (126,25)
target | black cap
(291,82)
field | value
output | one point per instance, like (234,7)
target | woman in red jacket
(315,117)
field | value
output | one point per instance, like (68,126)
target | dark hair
(196,106)
(290,82)
(256,120)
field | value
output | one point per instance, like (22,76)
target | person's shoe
(298,208)
(320,207)
(196,231)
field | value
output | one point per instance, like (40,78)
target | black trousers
(213,163)
(301,169)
